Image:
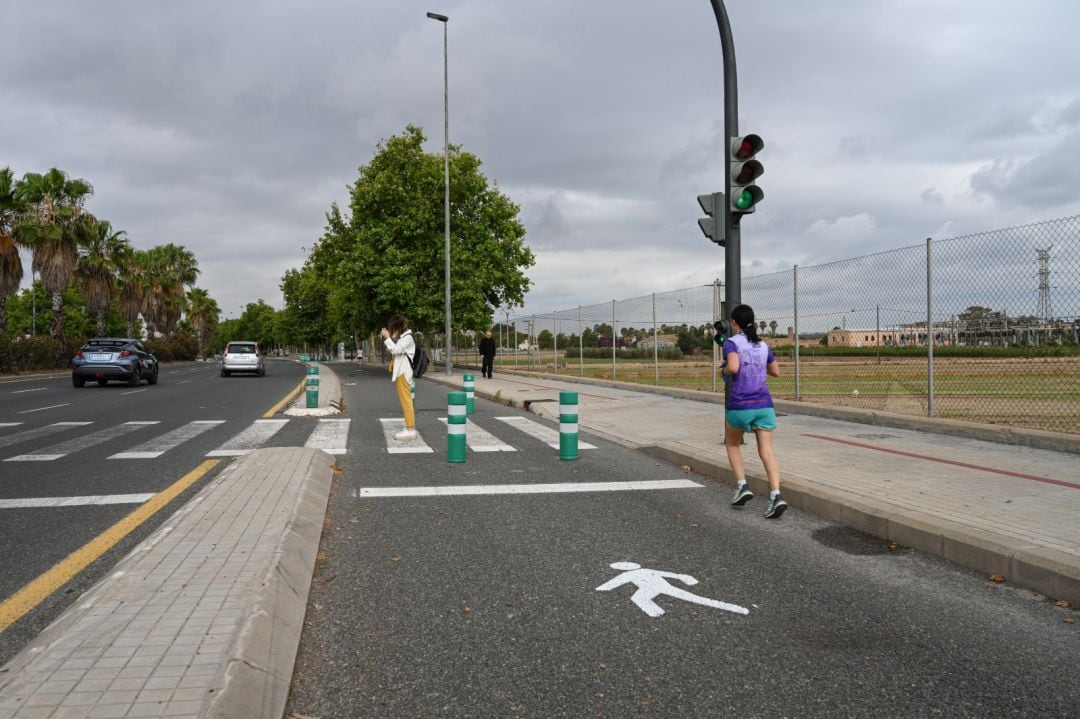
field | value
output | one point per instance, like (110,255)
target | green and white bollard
(468,383)
(456,416)
(412,392)
(312,392)
(568,425)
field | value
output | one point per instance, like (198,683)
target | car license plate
(100,356)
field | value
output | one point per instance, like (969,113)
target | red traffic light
(745,147)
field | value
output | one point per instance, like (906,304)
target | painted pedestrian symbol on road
(652,583)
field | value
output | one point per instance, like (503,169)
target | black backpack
(419,362)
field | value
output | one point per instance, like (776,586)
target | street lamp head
(437,16)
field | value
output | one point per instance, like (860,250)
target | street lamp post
(446,181)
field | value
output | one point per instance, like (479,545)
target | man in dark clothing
(487,351)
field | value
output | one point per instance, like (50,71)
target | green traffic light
(745,200)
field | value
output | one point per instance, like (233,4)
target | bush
(23,354)
(182,348)
(672,353)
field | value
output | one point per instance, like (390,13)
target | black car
(112,358)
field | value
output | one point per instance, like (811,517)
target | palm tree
(168,269)
(762,325)
(52,226)
(97,269)
(11,269)
(132,285)
(772,326)
(203,312)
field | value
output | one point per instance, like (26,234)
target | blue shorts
(750,419)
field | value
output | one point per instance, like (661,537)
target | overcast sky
(230,127)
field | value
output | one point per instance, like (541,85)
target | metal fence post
(795,274)
(581,343)
(555,335)
(718,312)
(877,331)
(655,352)
(929,330)
(613,340)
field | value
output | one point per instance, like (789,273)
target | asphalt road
(488,604)
(191,411)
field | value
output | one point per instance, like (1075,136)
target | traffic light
(723,331)
(713,225)
(745,170)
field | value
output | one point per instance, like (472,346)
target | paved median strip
(561,488)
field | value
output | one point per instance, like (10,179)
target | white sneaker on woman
(405,435)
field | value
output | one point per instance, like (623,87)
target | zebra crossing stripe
(564,488)
(35,502)
(548,436)
(330,435)
(253,437)
(480,440)
(39,432)
(86,441)
(160,445)
(392,426)
(10,424)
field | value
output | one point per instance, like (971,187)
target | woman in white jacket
(400,343)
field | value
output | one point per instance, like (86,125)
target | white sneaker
(405,435)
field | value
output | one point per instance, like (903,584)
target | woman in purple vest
(749,361)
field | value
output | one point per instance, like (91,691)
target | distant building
(663,342)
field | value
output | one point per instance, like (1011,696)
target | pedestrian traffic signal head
(712,225)
(723,331)
(745,170)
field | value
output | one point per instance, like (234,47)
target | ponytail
(744,317)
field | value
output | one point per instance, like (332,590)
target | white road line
(414,446)
(10,424)
(39,432)
(253,437)
(86,441)
(134,391)
(42,409)
(35,389)
(479,439)
(528,488)
(184,382)
(160,445)
(330,435)
(547,435)
(74,501)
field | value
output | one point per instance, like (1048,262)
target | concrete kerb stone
(258,673)
(330,397)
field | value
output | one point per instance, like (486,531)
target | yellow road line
(288,398)
(41,588)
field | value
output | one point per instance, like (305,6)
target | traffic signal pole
(732,249)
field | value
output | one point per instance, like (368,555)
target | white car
(242,357)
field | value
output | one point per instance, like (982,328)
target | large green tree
(387,256)
(203,313)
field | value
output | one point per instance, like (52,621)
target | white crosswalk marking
(33,502)
(547,435)
(330,435)
(86,441)
(253,437)
(480,440)
(414,446)
(39,432)
(10,424)
(160,445)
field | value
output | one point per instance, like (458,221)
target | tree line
(83,261)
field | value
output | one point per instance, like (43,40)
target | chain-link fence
(984,328)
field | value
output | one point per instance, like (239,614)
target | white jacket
(402,351)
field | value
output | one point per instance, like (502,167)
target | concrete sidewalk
(202,619)
(994,507)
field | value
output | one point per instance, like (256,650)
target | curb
(1040,568)
(258,674)
(327,407)
(1037,567)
